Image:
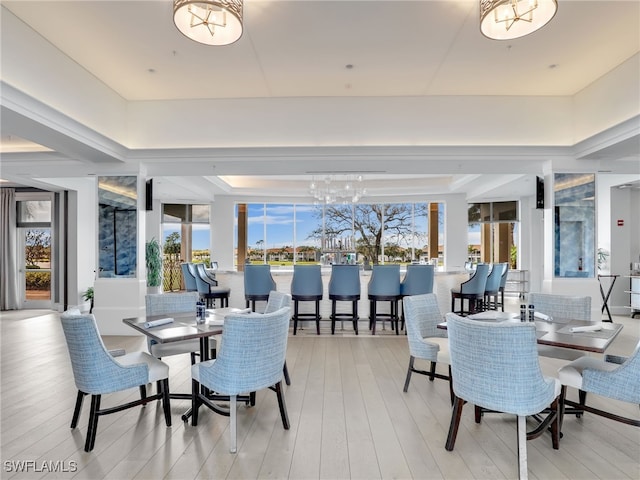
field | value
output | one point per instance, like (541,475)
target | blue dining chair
(253,350)
(495,366)
(167,304)
(613,377)
(210,291)
(306,286)
(426,340)
(471,290)
(276,301)
(98,373)
(344,286)
(258,283)
(384,286)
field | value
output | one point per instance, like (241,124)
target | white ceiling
(303,49)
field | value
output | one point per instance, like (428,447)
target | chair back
(258,280)
(189,278)
(202,286)
(422,316)
(94,370)
(306,281)
(345,280)
(622,383)
(276,301)
(167,303)
(505,275)
(252,353)
(385,280)
(477,282)
(493,280)
(562,306)
(202,272)
(418,280)
(495,365)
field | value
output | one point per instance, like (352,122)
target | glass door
(35,252)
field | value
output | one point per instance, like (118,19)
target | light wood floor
(349,419)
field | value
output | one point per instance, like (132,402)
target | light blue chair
(253,350)
(206,275)
(472,290)
(168,304)
(189,278)
(306,286)
(426,340)
(258,283)
(98,373)
(418,280)
(561,306)
(344,286)
(495,366)
(276,301)
(615,377)
(384,286)
(492,287)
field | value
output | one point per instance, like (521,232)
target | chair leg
(282,405)
(355,316)
(555,424)
(409,370)
(563,395)
(166,402)
(372,317)
(317,317)
(93,423)
(522,448)
(295,316)
(143,393)
(477,413)
(195,402)
(285,372)
(233,413)
(76,411)
(456,413)
(432,372)
(333,317)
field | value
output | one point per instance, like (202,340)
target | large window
(283,234)
(492,233)
(186,236)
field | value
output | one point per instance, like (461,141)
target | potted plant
(153,259)
(87,296)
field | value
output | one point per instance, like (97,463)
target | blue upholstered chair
(204,273)
(614,377)
(167,304)
(98,373)
(418,280)
(189,278)
(209,290)
(253,350)
(344,286)
(426,340)
(306,286)
(492,287)
(503,285)
(276,301)
(258,282)
(384,286)
(561,306)
(472,290)
(495,366)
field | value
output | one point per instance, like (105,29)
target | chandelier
(212,22)
(333,189)
(507,19)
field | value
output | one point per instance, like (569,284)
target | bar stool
(384,286)
(306,286)
(492,287)
(210,293)
(344,286)
(258,282)
(472,290)
(418,280)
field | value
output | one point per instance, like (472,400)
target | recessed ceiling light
(348,66)
(553,65)
(151,70)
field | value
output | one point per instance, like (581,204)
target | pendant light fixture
(211,22)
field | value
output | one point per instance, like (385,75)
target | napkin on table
(587,328)
(542,316)
(157,323)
